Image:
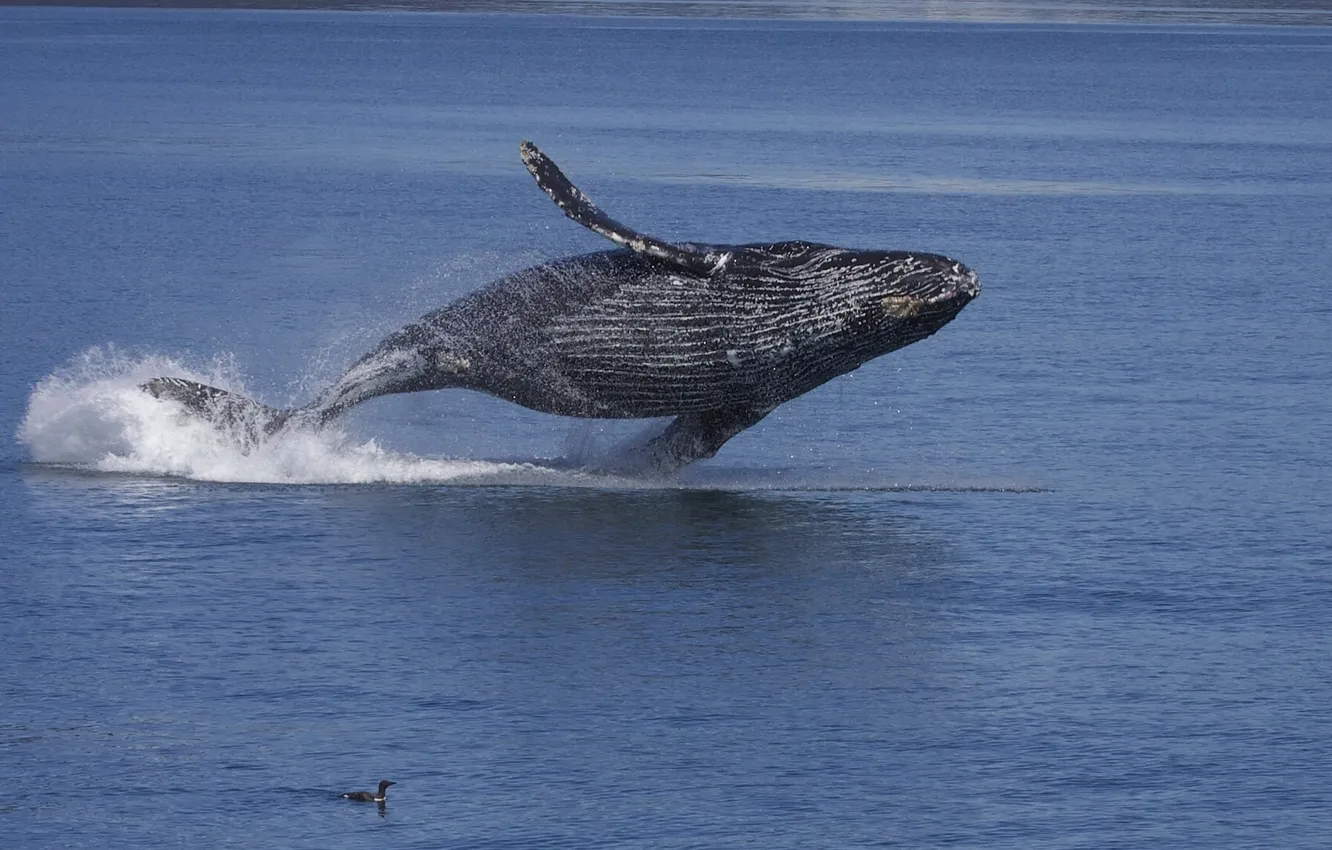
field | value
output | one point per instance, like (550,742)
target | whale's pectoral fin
(698,260)
(696,436)
(248,420)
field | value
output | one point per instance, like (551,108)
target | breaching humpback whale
(713,335)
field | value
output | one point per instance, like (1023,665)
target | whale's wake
(92,415)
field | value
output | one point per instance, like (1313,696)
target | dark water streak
(1193,12)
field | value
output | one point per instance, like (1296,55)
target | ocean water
(1055,577)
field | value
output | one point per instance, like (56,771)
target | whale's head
(855,305)
(906,296)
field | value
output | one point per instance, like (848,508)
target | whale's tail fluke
(247,420)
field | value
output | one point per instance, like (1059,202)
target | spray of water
(91,414)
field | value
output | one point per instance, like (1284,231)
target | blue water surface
(1055,577)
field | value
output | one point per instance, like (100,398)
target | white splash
(91,414)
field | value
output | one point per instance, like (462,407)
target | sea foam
(92,414)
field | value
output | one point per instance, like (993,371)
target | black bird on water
(369,796)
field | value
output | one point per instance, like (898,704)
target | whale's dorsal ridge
(694,259)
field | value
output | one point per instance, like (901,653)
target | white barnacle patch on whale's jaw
(450,363)
(901,306)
